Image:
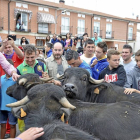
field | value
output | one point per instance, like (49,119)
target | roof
(62,6)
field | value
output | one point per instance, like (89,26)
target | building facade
(35,19)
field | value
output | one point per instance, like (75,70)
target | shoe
(7,136)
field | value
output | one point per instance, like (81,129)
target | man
(54,39)
(114,73)
(127,62)
(96,39)
(48,49)
(56,64)
(59,39)
(11,51)
(74,60)
(99,63)
(30,64)
(89,51)
(133,76)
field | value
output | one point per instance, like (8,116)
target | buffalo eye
(84,78)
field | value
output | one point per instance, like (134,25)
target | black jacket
(120,73)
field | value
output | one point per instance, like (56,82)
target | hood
(137,68)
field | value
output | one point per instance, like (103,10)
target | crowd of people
(91,54)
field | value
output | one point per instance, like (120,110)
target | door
(24,19)
(65,25)
(81,27)
(130,33)
(108,30)
(97,28)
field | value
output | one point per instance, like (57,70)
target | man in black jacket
(114,73)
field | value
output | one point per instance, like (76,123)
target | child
(6,81)
(114,73)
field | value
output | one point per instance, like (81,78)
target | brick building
(41,18)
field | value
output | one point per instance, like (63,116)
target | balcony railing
(109,34)
(131,36)
(81,31)
(1,24)
(24,29)
(66,29)
(42,31)
(99,32)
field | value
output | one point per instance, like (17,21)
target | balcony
(81,31)
(99,32)
(1,24)
(131,37)
(66,29)
(109,34)
(41,31)
(24,28)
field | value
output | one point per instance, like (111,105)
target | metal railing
(81,31)
(42,31)
(109,34)
(22,29)
(66,29)
(99,32)
(131,36)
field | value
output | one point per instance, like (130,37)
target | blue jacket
(100,66)
(49,53)
(86,66)
(53,41)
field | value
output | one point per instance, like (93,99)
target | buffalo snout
(71,89)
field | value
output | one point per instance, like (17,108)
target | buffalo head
(76,82)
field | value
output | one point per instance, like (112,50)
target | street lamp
(62,12)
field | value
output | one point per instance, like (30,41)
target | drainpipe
(91,26)
(127,33)
(55,20)
(9,17)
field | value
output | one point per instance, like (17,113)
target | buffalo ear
(66,112)
(19,112)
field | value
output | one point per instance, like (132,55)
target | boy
(114,73)
(48,49)
(6,81)
(133,77)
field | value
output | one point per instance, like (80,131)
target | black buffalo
(114,121)
(23,84)
(78,84)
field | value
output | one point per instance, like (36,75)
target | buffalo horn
(95,81)
(19,103)
(65,103)
(22,81)
(60,76)
(45,80)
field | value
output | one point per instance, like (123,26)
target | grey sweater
(133,78)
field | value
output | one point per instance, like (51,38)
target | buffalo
(45,104)
(78,84)
(23,84)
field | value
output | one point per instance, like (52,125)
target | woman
(68,42)
(48,39)
(24,41)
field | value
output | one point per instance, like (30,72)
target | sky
(121,8)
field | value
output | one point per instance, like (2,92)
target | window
(43,28)
(39,43)
(97,28)
(81,27)
(130,33)
(97,18)
(22,19)
(108,30)
(65,25)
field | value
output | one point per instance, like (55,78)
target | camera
(12,36)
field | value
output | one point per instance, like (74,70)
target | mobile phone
(12,36)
